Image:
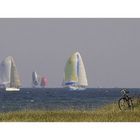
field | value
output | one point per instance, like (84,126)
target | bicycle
(125,103)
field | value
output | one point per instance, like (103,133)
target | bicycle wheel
(130,103)
(123,104)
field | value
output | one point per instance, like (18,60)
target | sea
(50,99)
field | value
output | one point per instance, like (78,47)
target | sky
(110,49)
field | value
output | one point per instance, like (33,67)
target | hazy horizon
(109,49)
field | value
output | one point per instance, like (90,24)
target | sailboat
(75,75)
(44,82)
(38,81)
(9,78)
(35,79)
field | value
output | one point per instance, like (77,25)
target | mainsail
(75,74)
(14,77)
(9,77)
(35,79)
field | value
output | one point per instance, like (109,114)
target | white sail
(14,81)
(5,67)
(75,75)
(35,79)
(9,77)
(82,78)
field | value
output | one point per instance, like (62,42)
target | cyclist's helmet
(124,91)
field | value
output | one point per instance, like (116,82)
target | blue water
(58,98)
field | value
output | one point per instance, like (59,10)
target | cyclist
(124,93)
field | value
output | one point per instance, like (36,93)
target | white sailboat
(9,78)
(75,75)
(35,80)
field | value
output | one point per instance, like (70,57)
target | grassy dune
(109,113)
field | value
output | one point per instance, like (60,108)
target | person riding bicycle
(125,101)
(125,93)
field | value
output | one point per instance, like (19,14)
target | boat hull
(12,89)
(73,88)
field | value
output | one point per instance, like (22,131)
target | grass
(109,113)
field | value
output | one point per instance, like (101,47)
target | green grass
(109,113)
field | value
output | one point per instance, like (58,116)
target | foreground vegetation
(109,113)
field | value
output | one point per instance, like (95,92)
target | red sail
(44,82)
